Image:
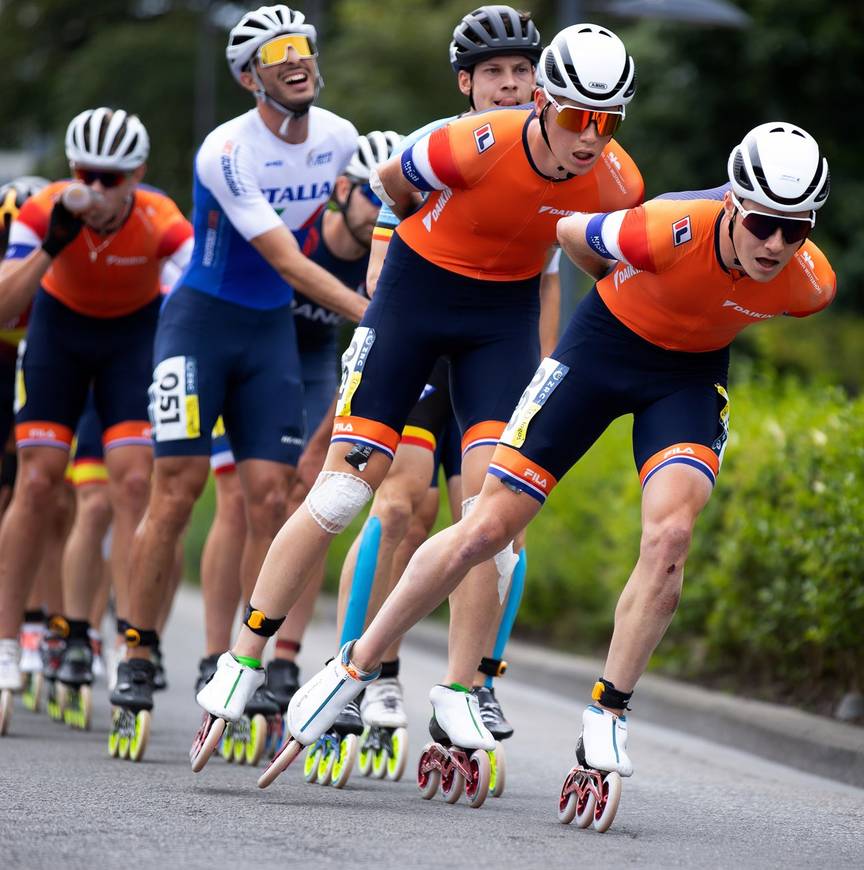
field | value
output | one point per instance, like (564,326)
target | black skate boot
(492,714)
(75,676)
(52,647)
(283,680)
(132,700)
(160,681)
(206,669)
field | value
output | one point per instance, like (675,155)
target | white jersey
(249,181)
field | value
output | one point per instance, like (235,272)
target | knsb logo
(612,158)
(805,256)
(681,231)
(557,212)
(533,476)
(484,138)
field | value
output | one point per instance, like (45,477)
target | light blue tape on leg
(361,583)
(511,609)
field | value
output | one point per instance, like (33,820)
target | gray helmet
(490,31)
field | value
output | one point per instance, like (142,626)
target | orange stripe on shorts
(696,455)
(128,433)
(486,433)
(365,431)
(43,433)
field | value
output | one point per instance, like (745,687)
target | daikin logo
(557,212)
(729,303)
(439,206)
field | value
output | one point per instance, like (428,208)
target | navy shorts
(214,357)
(7,395)
(65,354)
(601,370)
(448,452)
(429,418)
(487,330)
(319,367)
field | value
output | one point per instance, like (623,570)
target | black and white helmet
(590,65)
(490,31)
(780,166)
(372,149)
(259,26)
(107,139)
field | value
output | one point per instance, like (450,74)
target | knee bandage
(336,499)
(505,561)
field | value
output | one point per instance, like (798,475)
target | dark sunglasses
(763,225)
(106,177)
(370,194)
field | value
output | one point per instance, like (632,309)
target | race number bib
(174,411)
(545,380)
(353,361)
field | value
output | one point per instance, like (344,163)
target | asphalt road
(691,803)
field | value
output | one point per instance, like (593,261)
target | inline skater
(338,241)
(226,341)
(493,53)
(95,279)
(552,158)
(661,353)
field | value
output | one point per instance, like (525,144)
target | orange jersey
(672,289)
(107,276)
(491,214)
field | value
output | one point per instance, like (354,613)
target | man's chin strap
(289,113)
(343,210)
(542,118)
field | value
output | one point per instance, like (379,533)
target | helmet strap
(343,210)
(542,119)
(291,114)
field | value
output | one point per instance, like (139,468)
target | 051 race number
(174,410)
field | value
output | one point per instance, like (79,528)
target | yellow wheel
(310,765)
(257,739)
(364,761)
(399,758)
(138,743)
(226,748)
(344,762)
(325,765)
(114,733)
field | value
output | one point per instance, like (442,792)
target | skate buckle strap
(59,625)
(136,637)
(492,667)
(605,693)
(258,623)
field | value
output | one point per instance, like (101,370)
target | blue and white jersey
(248,181)
(386,217)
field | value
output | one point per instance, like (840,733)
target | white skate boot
(10,679)
(603,744)
(224,698)
(384,742)
(459,758)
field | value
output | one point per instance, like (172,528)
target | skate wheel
(607,806)
(239,745)
(399,759)
(498,774)
(452,783)
(5,710)
(364,762)
(138,743)
(61,699)
(257,739)
(428,777)
(344,763)
(114,733)
(286,754)
(379,762)
(206,740)
(32,697)
(310,765)
(226,747)
(478,788)
(325,764)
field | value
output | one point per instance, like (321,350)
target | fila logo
(681,231)
(679,451)
(343,427)
(558,212)
(484,137)
(537,478)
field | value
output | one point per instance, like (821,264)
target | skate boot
(458,759)
(30,638)
(160,681)
(53,645)
(244,741)
(224,698)
(315,707)
(132,701)
(330,759)
(206,669)
(74,680)
(500,729)
(10,680)
(283,680)
(384,744)
(592,790)
(99,671)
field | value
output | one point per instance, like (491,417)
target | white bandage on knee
(336,499)
(378,188)
(468,504)
(505,562)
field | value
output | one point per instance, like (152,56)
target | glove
(63,226)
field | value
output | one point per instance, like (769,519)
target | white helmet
(372,149)
(588,64)
(257,27)
(107,139)
(780,166)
